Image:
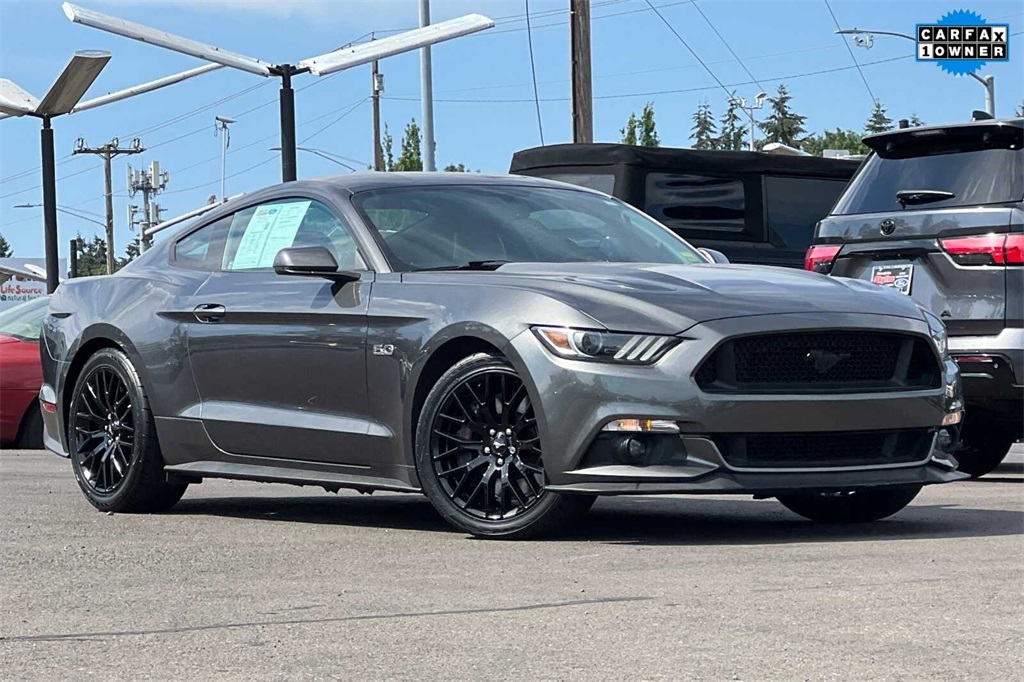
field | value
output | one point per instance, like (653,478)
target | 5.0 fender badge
(383,349)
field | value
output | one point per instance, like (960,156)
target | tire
(112,439)
(857,506)
(30,435)
(479,458)
(984,444)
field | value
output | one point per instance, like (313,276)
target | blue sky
(484,109)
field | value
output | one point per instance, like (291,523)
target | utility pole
(378,88)
(150,182)
(427,93)
(750,109)
(582,90)
(109,151)
(221,127)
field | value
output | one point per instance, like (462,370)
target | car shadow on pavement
(639,520)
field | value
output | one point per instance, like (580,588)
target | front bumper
(576,399)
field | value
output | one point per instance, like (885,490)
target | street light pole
(49,208)
(868,40)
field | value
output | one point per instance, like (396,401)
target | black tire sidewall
(520,525)
(984,445)
(862,506)
(119,363)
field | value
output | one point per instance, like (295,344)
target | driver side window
(257,234)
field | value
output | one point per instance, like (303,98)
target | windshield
(450,226)
(25,320)
(974,176)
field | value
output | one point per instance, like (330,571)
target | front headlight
(938,331)
(585,344)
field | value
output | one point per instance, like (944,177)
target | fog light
(642,426)
(632,450)
(952,418)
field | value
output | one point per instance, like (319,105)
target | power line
(343,115)
(727,46)
(687,46)
(624,95)
(850,50)
(533,72)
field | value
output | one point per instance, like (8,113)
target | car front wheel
(984,444)
(855,506)
(112,439)
(479,454)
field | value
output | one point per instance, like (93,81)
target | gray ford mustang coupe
(508,346)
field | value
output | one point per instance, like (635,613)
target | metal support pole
(752,131)
(50,208)
(109,197)
(990,94)
(223,160)
(289,171)
(582,91)
(73,259)
(427,94)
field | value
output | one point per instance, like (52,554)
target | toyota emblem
(887,226)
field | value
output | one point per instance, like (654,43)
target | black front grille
(819,450)
(820,361)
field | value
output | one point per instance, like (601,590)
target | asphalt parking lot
(248,581)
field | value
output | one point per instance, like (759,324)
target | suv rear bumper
(992,372)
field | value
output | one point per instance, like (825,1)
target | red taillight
(819,258)
(989,249)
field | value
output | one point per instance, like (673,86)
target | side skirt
(194,472)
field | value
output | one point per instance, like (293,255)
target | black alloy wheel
(112,439)
(479,455)
(104,430)
(485,447)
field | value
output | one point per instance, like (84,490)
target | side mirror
(714,256)
(311,261)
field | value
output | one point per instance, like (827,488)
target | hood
(8,339)
(671,298)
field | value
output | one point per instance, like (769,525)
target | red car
(21,374)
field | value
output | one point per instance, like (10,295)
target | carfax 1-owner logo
(961,42)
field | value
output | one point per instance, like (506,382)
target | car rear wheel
(112,439)
(479,454)
(984,444)
(855,506)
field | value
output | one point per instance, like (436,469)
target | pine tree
(915,121)
(704,127)
(387,144)
(733,130)
(1020,111)
(5,248)
(456,168)
(92,256)
(878,122)
(131,252)
(783,125)
(629,132)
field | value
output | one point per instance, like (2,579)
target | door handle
(209,312)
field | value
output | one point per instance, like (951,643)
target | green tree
(704,127)
(878,122)
(834,139)
(387,144)
(5,248)
(629,132)
(915,121)
(641,130)
(131,252)
(1020,110)
(456,168)
(732,128)
(411,157)
(783,125)
(92,256)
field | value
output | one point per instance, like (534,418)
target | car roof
(371,180)
(901,135)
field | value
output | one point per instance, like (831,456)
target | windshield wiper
(470,265)
(922,196)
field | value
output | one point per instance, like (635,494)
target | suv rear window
(975,173)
